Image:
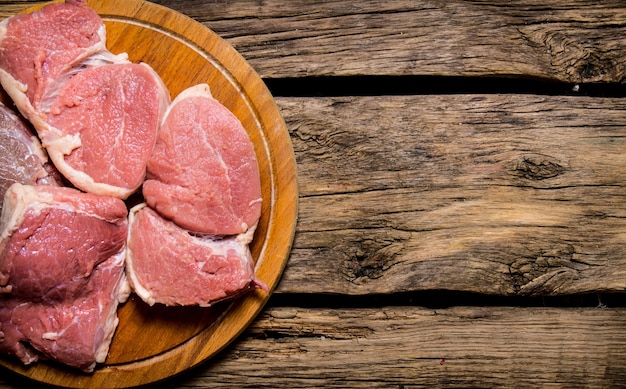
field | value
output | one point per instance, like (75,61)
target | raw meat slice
(36,48)
(22,159)
(203,173)
(96,113)
(102,125)
(61,274)
(168,265)
(76,332)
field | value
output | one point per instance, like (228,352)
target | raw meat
(36,48)
(203,173)
(76,332)
(96,113)
(61,274)
(102,124)
(22,159)
(166,264)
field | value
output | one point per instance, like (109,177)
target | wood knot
(578,60)
(545,273)
(537,167)
(371,260)
(591,70)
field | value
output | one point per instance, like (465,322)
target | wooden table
(462,178)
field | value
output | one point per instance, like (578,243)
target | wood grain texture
(496,194)
(571,41)
(565,40)
(393,347)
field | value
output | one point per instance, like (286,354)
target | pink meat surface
(61,274)
(22,159)
(168,265)
(203,173)
(39,272)
(76,332)
(36,48)
(104,124)
(97,114)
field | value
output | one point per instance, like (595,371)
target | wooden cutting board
(153,343)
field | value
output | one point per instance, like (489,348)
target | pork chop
(203,173)
(102,125)
(96,113)
(168,265)
(22,159)
(61,274)
(36,48)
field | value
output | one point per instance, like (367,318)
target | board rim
(284,205)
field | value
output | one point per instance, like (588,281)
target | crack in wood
(547,272)
(537,167)
(371,259)
(581,60)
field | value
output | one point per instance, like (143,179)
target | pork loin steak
(22,159)
(203,173)
(61,273)
(103,124)
(36,48)
(168,265)
(96,113)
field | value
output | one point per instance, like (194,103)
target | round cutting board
(154,343)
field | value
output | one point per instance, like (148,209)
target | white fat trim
(256,201)
(61,147)
(57,143)
(20,198)
(101,353)
(3,28)
(116,263)
(124,290)
(99,58)
(247,236)
(200,90)
(17,92)
(139,289)
(165,98)
(53,336)
(16,200)
(50,336)
(12,84)
(102,32)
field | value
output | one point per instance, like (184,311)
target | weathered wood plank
(408,346)
(571,41)
(416,347)
(502,194)
(567,40)
(9,8)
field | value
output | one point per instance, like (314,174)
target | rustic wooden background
(462,178)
